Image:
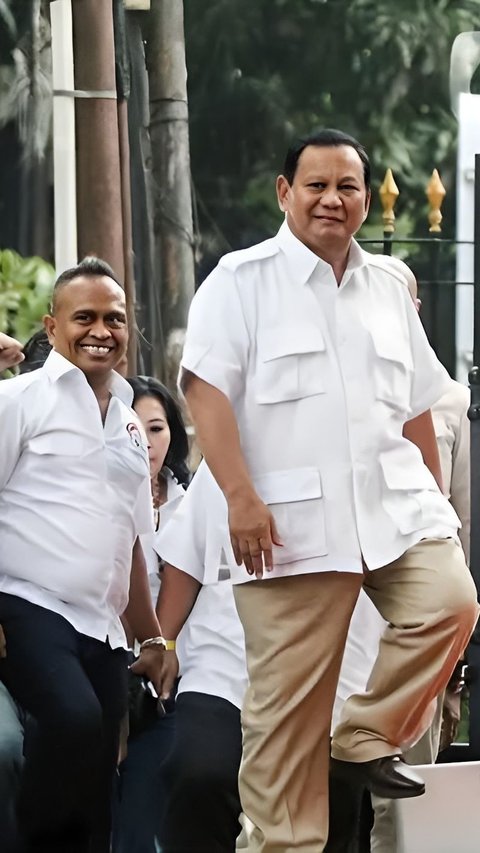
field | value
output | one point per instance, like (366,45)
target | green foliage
(25,290)
(263,71)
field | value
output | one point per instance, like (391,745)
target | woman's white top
(211,645)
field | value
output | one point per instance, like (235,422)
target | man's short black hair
(90,267)
(325,138)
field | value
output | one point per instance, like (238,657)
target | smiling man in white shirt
(310,379)
(74,497)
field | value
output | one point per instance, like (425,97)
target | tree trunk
(165,56)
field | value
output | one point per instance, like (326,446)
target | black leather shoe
(387,777)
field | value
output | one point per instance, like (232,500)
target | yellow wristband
(171,645)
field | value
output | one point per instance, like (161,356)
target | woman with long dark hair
(141,791)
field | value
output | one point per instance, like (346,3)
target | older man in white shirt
(310,380)
(74,497)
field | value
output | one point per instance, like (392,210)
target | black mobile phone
(145,708)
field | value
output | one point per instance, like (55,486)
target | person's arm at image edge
(10,352)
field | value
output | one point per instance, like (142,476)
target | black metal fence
(435,271)
(433,261)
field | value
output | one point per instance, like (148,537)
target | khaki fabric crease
(295,630)
(429,600)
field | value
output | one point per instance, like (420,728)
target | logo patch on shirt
(135,435)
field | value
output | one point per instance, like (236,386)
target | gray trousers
(11,761)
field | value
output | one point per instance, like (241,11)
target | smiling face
(89,325)
(327,201)
(154,421)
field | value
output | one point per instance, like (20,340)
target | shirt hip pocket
(295,499)
(411,496)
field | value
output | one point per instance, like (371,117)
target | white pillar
(65,195)
(468,146)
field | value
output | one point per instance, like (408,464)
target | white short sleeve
(216,346)
(430,380)
(143,512)
(196,538)
(179,541)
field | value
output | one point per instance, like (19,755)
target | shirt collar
(303,261)
(57,365)
(300,258)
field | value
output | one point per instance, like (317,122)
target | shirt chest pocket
(295,499)
(58,443)
(291,362)
(392,365)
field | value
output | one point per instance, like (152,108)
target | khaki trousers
(295,630)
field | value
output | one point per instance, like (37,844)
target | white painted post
(468,146)
(464,59)
(65,196)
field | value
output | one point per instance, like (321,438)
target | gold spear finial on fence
(435,193)
(389,193)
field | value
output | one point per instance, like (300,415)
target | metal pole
(436,334)
(129,280)
(476,266)
(473,653)
(474,416)
(123,93)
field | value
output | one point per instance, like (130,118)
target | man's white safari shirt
(322,378)
(74,495)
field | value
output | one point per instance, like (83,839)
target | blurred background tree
(26,170)
(25,291)
(262,71)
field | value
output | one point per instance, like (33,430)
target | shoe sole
(395,793)
(358,777)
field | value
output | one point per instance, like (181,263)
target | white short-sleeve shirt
(74,496)
(322,379)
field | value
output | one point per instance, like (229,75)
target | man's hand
(169,673)
(252,532)
(150,664)
(3,644)
(10,352)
